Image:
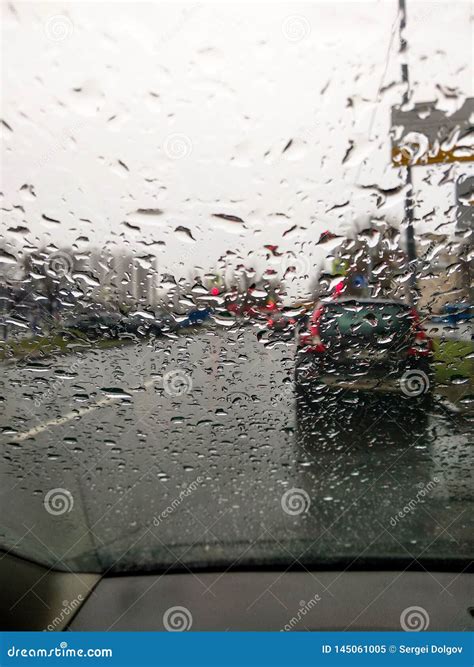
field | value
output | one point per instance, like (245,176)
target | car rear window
(358,318)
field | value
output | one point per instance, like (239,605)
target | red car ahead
(254,304)
(364,344)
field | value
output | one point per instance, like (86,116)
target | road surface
(194,450)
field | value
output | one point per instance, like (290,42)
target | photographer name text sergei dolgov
(430,648)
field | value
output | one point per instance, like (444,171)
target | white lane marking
(70,415)
(61,420)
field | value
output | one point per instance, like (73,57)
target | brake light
(339,289)
(311,339)
(423,346)
(316,317)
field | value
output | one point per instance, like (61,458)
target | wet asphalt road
(196,451)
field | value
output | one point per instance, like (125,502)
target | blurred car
(167,321)
(97,324)
(193,317)
(364,344)
(454,313)
(141,323)
(254,304)
(281,323)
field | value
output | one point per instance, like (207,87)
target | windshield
(235,274)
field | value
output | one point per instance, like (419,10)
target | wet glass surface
(236,270)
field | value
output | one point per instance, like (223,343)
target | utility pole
(437,126)
(410,233)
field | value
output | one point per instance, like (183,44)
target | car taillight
(311,339)
(422,345)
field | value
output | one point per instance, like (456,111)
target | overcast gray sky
(188,107)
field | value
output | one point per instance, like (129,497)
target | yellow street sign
(425,135)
